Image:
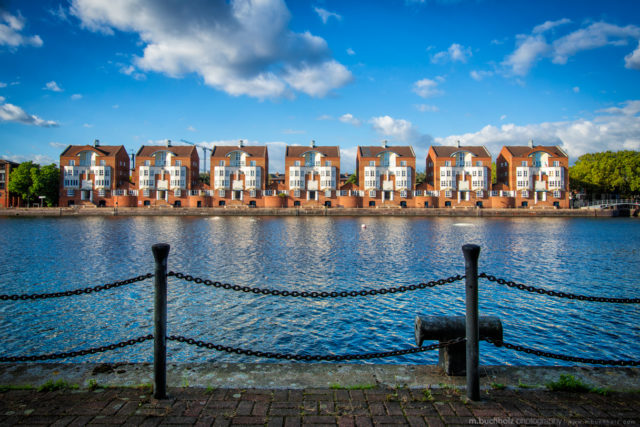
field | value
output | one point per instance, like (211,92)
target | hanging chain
(312,357)
(315,294)
(76,291)
(540,353)
(77,353)
(558,294)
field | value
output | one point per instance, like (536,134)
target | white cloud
(529,50)
(13,113)
(424,108)
(3,85)
(348,118)
(239,47)
(191,129)
(76,96)
(87,125)
(348,159)
(455,53)
(576,89)
(130,70)
(632,60)
(325,14)
(595,35)
(52,86)
(325,117)
(616,128)
(58,144)
(10,28)
(427,87)
(351,52)
(399,130)
(478,75)
(549,25)
(40,159)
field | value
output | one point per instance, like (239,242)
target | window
(403,194)
(523,163)
(147,163)
(296,193)
(327,163)
(72,162)
(252,193)
(447,162)
(448,194)
(327,193)
(220,193)
(403,163)
(556,194)
(296,163)
(556,163)
(372,193)
(178,162)
(479,163)
(252,163)
(103,163)
(372,162)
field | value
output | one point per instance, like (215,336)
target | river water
(591,256)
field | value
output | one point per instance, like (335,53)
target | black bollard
(471,254)
(161,254)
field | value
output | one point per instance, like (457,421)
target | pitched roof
(251,150)
(299,150)
(4,162)
(103,150)
(524,151)
(374,151)
(447,151)
(178,150)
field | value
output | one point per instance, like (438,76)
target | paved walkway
(313,406)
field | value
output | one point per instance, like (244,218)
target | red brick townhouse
(535,176)
(461,175)
(167,175)
(386,175)
(239,176)
(93,175)
(312,175)
(7,199)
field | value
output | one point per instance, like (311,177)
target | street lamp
(41,199)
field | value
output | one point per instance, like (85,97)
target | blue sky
(422,73)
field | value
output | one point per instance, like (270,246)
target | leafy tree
(421,177)
(21,181)
(204,178)
(494,173)
(607,173)
(46,182)
(353,179)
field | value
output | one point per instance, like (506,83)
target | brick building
(461,175)
(167,175)
(239,176)
(93,175)
(386,175)
(312,175)
(533,176)
(7,199)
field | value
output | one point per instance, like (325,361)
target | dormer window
(236,158)
(161,158)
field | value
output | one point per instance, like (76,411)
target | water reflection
(594,257)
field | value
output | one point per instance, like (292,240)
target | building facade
(93,175)
(7,199)
(312,175)
(460,175)
(239,176)
(533,176)
(386,175)
(166,175)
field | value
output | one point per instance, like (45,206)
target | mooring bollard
(161,254)
(471,254)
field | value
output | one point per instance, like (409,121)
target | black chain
(312,357)
(558,294)
(314,294)
(76,291)
(65,355)
(499,343)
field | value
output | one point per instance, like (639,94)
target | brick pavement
(379,406)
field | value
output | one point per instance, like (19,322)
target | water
(579,255)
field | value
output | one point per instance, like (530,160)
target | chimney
(531,143)
(384,143)
(240,143)
(168,143)
(458,143)
(313,143)
(96,143)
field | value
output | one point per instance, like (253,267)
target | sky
(346,73)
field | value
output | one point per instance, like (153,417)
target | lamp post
(41,199)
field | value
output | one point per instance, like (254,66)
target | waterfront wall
(346,212)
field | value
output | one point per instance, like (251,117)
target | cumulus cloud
(350,119)
(455,53)
(424,108)
(325,14)
(130,70)
(52,86)
(478,75)
(348,159)
(531,48)
(632,61)
(58,144)
(615,128)
(239,46)
(13,113)
(427,88)
(351,52)
(400,130)
(76,96)
(11,27)
(41,159)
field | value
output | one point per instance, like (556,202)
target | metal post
(471,254)
(161,254)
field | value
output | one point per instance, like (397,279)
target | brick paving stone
(377,409)
(260,409)
(319,419)
(444,409)
(434,422)
(248,420)
(275,422)
(357,395)
(415,421)
(388,419)
(244,408)
(292,421)
(363,422)
(346,421)
(295,396)
(393,408)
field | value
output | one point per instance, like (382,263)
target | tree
(46,182)
(421,177)
(494,174)
(21,181)
(204,178)
(607,173)
(353,179)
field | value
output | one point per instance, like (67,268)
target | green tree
(353,179)
(46,182)
(494,173)
(421,177)
(607,173)
(21,181)
(204,178)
